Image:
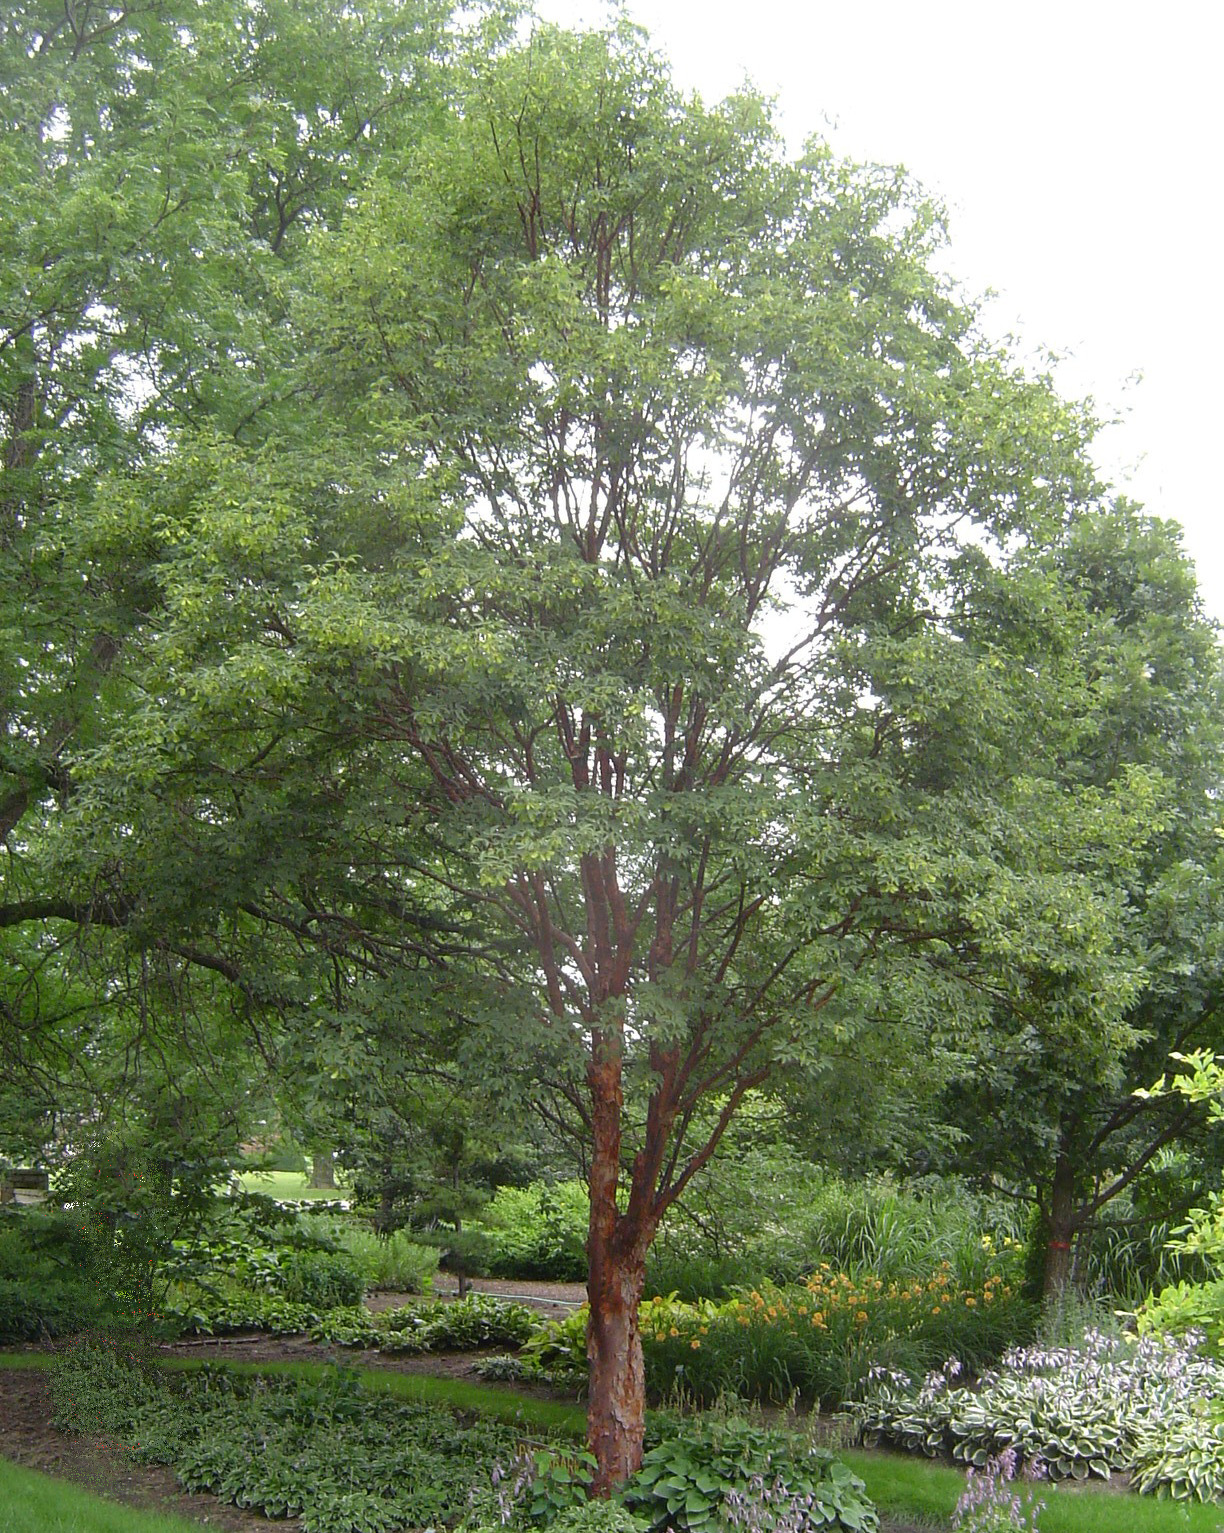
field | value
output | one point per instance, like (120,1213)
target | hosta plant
(1186,1460)
(475,1322)
(1110,1404)
(709,1474)
(339,1458)
(715,1472)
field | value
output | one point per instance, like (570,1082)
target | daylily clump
(819,1338)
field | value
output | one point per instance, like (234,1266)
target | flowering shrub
(1150,1406)
(823,1337)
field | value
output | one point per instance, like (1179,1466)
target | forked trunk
(616,1409)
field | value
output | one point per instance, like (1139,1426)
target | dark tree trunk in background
(1064,1224)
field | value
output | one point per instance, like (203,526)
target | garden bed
(101,1466)
(30,1439)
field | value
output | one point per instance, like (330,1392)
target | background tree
(161,166)
(1054,1117)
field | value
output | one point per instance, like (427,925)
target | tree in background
(162,165)
(1055,1117)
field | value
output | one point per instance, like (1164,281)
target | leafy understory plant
(329,1452)
(1150,1406)
(711,1473)
(707,1474)
(475,1322)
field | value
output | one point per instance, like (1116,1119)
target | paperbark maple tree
(676,446)
(556,651)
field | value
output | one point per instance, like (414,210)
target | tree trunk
(616,1274)
(386,1208)
(323,1170)
(459,1260)
(616,1408)
(1064,1226)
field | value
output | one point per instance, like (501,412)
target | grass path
(915,1488)
(39,1503)
(290,1184)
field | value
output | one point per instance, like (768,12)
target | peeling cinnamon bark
(616,1410)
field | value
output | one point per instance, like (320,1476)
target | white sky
(1078,147)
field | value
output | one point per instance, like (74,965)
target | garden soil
(28,1438)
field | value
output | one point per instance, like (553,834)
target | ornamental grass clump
(1151,1406)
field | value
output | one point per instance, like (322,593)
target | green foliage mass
(718,1473)
(511,579)
(821,1340)
(466,1325)
(257,1244)
(342,1460)
(766,1214)
(346,1461)
(1184,1306)
(537,1232)
(769,1215)
(393,1261)
(46,1288)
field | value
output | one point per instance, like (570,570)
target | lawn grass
(496,1400)
(38,1503)
(915,1487)
(25,1360)
(901,1486)
(290,1184)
